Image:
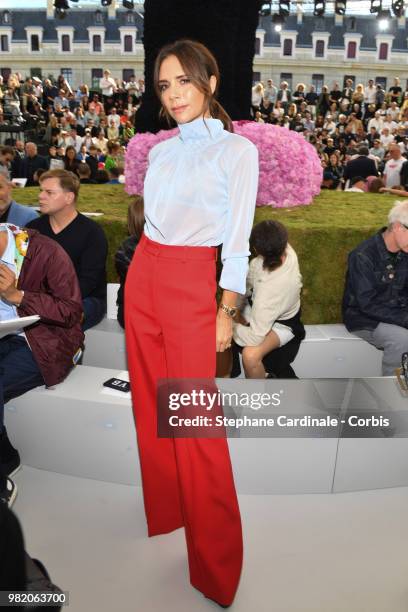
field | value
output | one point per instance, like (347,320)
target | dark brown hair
(68,180)
(269,239)
(135,217)
(199,65)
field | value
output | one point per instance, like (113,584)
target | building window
(67,74)
(318,82)
(6,17)
(256,77)
(288,47)
(65,43)
(381,81)
(352,24)
(5,73)
(130,18)
(288,77)
(36,72)
(97,43)
(98,17)
(96,74)
(348,77)
(383,53)
(351,50)
(35,42)
(320,24)
(127,73)
(4,43)
(319,51)
(128,43)
(257,46)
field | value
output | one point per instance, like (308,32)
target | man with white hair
(377,122)
(386,137)
(375,301)
(392,169)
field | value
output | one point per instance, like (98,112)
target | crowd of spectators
(93,128)
(74,127)
(344,124)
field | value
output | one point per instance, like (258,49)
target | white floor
(303,553)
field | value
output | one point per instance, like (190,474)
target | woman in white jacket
(270,315)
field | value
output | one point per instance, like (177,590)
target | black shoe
(9,457)
(11,465)
(9,494)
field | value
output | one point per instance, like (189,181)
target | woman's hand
(223,331)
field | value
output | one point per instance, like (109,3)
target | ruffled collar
(200,129)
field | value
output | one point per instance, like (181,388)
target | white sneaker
(9,494)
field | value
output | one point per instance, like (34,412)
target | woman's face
(181,99)
(71,154)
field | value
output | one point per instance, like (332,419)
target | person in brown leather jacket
(37,277)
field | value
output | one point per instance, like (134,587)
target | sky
(353,6)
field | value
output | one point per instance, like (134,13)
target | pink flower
(290,173)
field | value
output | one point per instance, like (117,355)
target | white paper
(13,325)
(19,182)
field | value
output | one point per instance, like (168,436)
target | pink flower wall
(290,173)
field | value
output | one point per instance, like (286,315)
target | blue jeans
(94,311)
(18,370)
(19,373)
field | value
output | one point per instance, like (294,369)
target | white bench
(105,343)
(76,430)
(328,351)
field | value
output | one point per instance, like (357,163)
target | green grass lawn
(323,234)
(330,207)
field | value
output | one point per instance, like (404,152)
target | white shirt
(377,123)
(115,118)
(132,86)
(275,295)
(7,310)
(386,140)
(392,171)
(200,190)
(369,94)
(107,86)
(256,97)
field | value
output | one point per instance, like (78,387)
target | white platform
(75,429)
(328,351)
(302,553)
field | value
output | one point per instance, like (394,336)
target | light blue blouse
(200,190)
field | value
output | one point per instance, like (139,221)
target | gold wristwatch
(231,311)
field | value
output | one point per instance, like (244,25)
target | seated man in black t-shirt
(83,239)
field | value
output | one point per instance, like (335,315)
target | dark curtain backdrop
(226,27)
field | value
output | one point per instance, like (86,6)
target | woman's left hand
(223,331)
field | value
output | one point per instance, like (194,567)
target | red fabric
(51,290)
(170,314)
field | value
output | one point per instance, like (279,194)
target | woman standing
(200,191)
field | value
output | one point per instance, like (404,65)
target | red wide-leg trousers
(170,333)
